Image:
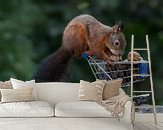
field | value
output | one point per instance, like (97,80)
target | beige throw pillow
(91,91)
(5,85)
(111,88)
(16,95)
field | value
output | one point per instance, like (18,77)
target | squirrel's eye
(116,43)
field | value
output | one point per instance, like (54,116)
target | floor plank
(158,126)
(141,126)
(148,126)
(151,126)
(136,127)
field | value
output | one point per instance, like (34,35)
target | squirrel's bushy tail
(53,67)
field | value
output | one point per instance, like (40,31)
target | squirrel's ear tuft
(118,27)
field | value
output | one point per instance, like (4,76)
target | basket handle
(84,55)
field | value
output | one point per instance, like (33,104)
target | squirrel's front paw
(109,62)
(114,58)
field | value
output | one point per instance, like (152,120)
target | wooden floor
(146,122)
(148,126)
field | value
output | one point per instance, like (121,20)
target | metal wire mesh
(120,69)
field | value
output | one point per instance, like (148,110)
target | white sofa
(66,94)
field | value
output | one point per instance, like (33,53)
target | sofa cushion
(16,95)
(80,109)
(111,88)
(91,91)
(26,109)
(18,84)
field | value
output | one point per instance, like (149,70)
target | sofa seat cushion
(26,109)
(80,109)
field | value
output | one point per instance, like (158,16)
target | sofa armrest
(126,120)
(127,113)
(128,108)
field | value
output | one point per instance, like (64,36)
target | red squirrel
(86,34)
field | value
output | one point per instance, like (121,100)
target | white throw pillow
(18,84)
(80,109)
(26,109)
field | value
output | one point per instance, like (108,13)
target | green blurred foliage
(30,30)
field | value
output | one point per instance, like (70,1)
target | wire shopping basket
(122,69)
